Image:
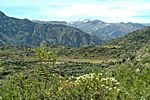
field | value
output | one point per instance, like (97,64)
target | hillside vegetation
(37,76)
(36,64)
(124,47)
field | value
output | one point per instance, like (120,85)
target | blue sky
(73,10)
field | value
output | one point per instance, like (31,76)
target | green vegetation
(43,78)
(116,70)
(125,47)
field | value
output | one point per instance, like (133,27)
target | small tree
(45,55)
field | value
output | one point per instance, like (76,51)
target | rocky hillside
(14,31)
(105,30)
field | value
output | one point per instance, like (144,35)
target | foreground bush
(127,83)
(35,86)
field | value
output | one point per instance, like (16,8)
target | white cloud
(115,10)
(112,10)
(91,10)
(124,9)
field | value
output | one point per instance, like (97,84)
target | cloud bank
(70,10)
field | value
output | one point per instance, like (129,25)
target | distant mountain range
(106,31)
(50,22)
(146,24)
(14,31)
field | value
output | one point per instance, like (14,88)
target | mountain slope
(15,31)
(106,30)
(124,47)
(133,40)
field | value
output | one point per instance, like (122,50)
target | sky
(73,10)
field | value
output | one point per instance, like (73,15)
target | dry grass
(98,61)
(111,46)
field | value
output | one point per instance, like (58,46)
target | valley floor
(24,76)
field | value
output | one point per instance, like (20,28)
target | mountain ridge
(123,47)
(14,31)
(105,30)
